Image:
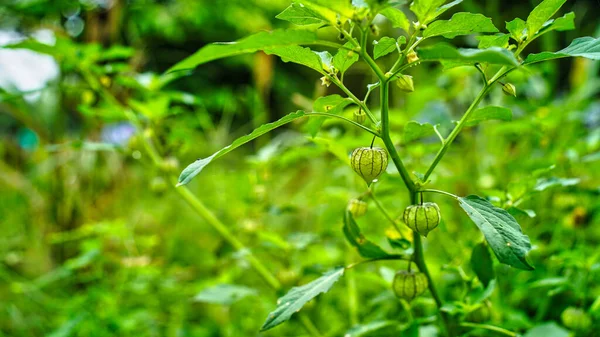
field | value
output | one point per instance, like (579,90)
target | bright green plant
(498,55)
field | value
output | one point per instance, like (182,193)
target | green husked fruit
(422,218)
(359,116)
(481,313)
(576,319)
(357,208)
(409,284)
(369,162)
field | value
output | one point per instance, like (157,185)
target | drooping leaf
(587,47)
(249,44)
(498,40)
(447,52)
(384,46)
(565,22)
(374,329)
(489,113)
(396,17)
(300,55)
(333,104)
(295,299)
(344,59)
(460,24)
(540,14)
(415,130)
(301,14)
(516,28)
(196,167)
(225,294)
(500,229)
(366,248)
(482,263)
(427,10)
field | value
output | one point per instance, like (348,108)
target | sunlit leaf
(500,229)
(295,299)
(384,46)
(489,113)
(587,47)
(516,28)
(344,58)
(396,17)
(565,22)
(460,24)
(301,14)
(415,130)
(427,10)
(498,40)
(300,55)
(540,14)
(447,52)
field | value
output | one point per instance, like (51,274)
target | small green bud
(405,83)
(374,29)
(369,162)
(509,89)
(359,116)
(422,218)
(357,208)
(409,284)
(412,57)
(576,319)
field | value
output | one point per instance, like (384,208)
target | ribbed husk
(409,284)
(422,218)
(357,207)
(369,163)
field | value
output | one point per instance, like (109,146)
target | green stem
(385,213)
(440,192)
(384,258)
(355,99)
(373,132)
(489,327)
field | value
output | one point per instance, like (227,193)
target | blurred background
(94,240)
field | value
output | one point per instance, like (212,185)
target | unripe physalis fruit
(369,162)
(509,89)
(422,218)
(576,319)
(359,116)
(409,284)
(412,57)
(357,207)
(405,83)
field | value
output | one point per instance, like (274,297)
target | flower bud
(325,81)
(422,218)
(369,162)
(409,284)
(509,89)
(412,57)
(405,83)
(357,207)
(359,116)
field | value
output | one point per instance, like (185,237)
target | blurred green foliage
(95,242)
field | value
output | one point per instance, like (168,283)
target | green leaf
(488,113)
(397,18)
(415,130)
(225,294)
(565,22)
(196,167)
(333,104)
(545,183)
(540,14)
(301,14)
(516,28)
(549,329)
(366,248)
(374,329)
(384,46)
(427,10)
(300,55)
(249,44)
(498,40)
(447,52)
(587,47)
(500,229)
(482,264)
(295,299)
(344,59)
(481,294)
(460,24)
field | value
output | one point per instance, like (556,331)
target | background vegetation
(95,241)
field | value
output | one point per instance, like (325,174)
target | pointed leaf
(415,130)
(300,14)
(498,40)
(397,18)
(488,113)
(565,22)
(500,229)
(540,14)
(196,167)
(587,47)
(366,248)
(384,46)
(300,55)
(427,10)
(460,24)
(249,44)
(516,28)
(295,299)
(447,52)
(344,59)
